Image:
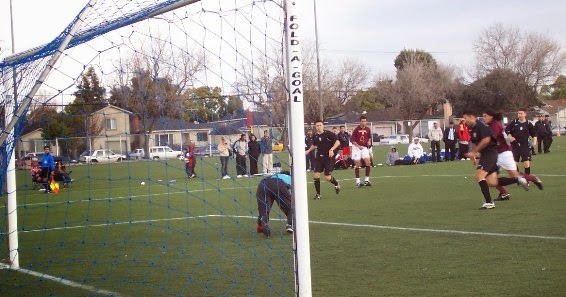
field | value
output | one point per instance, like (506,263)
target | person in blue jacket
(275,188)
(47,166)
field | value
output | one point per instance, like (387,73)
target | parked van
(163,152)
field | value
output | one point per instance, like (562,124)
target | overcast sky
(372,31)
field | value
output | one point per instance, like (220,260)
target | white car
(101,156)
(395,139)
(164,152)
(555,130)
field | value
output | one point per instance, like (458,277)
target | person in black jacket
(450,138)
(254,151)
(542,130)
(310,156)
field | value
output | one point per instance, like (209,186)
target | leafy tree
(557,90)
(500,90)
(413,56)
(367,100)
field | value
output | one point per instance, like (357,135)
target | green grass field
(417,231)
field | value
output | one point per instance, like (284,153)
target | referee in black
(325,143)
(520,130)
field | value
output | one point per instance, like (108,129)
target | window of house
(111,124)
(164,139)
(202,136)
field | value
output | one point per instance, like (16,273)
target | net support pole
(295,88)
(14,115)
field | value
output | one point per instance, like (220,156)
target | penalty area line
(62,281)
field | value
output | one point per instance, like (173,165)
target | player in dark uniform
(275,188)
(325,143)
(520,130)
(310,156)
(485,147)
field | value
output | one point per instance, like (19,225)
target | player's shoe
(522,182)
(359,185)
(317,197)
(259,228)
(337,189)
(289,228)
(503,196)
(488,205)
(538,182)
(367,183)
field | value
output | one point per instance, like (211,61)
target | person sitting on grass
(392,156)
(35,174)
(416,151)
(61,175)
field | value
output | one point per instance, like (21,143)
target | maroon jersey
(497,130)
(361,136)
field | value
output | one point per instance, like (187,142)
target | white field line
(63,281)
(429,230)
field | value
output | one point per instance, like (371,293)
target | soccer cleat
(337,189)
(538,182)
(259,228)
(367,183)
(522,182)
(488,205)
(503,196)
(359,185)
(317,197)
(289,228)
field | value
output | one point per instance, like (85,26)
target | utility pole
(318,64)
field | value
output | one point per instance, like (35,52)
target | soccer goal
(136,101)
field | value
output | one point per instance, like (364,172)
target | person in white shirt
(416,151)
(435,136)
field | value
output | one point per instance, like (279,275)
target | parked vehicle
(207,150)
(101,156)
(137,154)
(395,139)
(164,152)
(555,130)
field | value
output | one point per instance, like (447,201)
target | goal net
(121,97)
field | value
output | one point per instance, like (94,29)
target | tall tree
(556,90)
(535,57)
(411,56)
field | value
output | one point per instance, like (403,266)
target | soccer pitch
(417,231)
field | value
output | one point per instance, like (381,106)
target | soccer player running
(485,148)
(520,130)
(505,156)
(361,142)
(275,188)
(325,143)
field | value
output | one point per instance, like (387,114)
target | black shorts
(45,172)
(324,164)
(521,152)
(488,162)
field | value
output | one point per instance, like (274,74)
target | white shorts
(358,154)
(506,161)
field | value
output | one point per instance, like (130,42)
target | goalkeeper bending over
(275,188)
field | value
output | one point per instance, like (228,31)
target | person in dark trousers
(275,188)
(450,138)
(254,152)
(484,148)
(47,167)
(325,143)
(240,151)
(542,132)
(310,156)
(549,131)
(520,130)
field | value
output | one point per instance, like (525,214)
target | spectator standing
(549,131)
(542,132)
(275,188)
(267,150)
(311,155)
(241,150)
(361,142)
(224,152)
(47,166)
(449,137)
(325,143)
(254,152)
(520,129)
(435,136)
(463,140)
(190,161)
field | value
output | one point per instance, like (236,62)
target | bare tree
(350,77)
(537,58)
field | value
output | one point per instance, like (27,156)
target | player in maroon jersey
(361,142)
